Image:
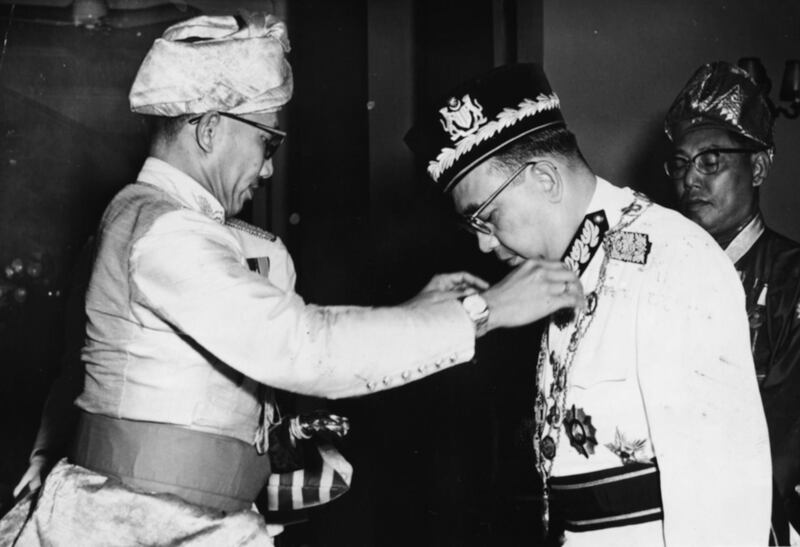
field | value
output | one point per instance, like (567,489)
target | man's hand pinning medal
(531,291)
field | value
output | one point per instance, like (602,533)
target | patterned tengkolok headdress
(723,96)
(223,63)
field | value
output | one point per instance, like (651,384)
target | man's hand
(33,476)
(533,290)
(448,286)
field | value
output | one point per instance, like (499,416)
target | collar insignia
(580,252)
(628,247)
(586,241)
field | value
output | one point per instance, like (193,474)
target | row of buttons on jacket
(407,374)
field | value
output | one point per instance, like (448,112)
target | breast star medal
(580,431)
(628,450)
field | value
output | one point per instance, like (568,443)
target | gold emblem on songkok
(481,131)
(462,117)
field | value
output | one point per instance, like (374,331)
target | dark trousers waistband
(202,468)
(606,499)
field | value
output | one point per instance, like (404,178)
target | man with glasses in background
(191,324)
(721,128)
(648,425)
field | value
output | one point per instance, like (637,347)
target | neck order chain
(550,404)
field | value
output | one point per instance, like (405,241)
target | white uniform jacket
(658,370)
(181,330)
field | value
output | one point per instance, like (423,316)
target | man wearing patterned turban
(721,128)
(193,318)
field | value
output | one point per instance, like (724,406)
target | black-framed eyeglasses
(705,162)
(276,136)
(473,222)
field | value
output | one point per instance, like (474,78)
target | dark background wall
(445,461)
(367,226)
(67,143)
(617,66)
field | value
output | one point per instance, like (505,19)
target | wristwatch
(478,311)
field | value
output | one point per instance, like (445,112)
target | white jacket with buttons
(664,370)
(181,331)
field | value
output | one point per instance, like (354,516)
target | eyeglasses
(473,222)
(705,162)
(272,144)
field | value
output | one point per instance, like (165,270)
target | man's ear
(760,163)
(549,181)
(206,130)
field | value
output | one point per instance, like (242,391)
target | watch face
(475,305)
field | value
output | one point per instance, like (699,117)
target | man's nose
(266,169)
(486,242)
(692,179)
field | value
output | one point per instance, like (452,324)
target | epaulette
(246,227)
(627,246)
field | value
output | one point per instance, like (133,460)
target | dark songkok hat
(481,116)
(723,96)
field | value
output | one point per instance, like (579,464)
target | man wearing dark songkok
(191,324)
(721,128)
(648,425)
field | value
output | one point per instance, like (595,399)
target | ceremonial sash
(620,496)
(202,468)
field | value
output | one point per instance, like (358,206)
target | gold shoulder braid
(246,227)
(549,408)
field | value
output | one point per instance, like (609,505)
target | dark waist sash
(202,468)
(606,499)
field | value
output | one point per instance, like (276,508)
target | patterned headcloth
(223,63)
(481,116)
(723,96)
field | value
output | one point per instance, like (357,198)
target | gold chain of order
(558,393)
